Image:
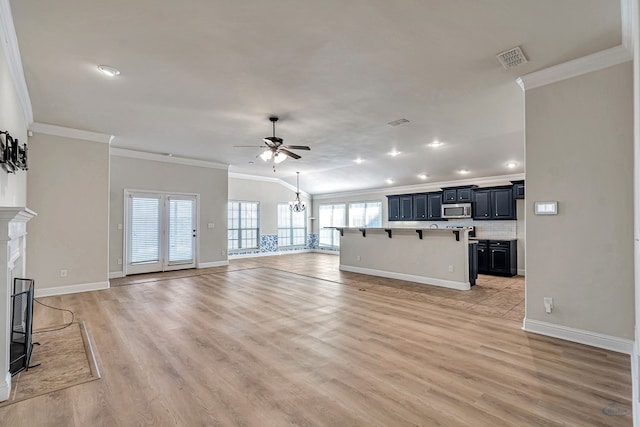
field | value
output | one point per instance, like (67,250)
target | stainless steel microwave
(457,210)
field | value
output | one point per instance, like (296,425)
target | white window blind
(181,229)
(145,229)
(243,225)
(292,226)
(331,216)
(365,214)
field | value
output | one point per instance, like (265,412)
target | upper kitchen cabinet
(495,203)
(406,208)
(434,206)
(420,207)
(518,189)
(393,203)
(415,207)
(457,194)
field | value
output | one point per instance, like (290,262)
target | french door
(161,233)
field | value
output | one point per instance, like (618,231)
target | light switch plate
(546,208)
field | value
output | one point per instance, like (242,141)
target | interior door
(161,233)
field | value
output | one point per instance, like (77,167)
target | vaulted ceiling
(199,77)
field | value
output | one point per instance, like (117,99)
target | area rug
(63,359)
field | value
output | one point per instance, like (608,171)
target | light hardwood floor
(291,340)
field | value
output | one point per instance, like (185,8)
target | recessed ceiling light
(436,144)
(389,181)
(358,160)
(108,70)
(512,165)
(463,171)
(393,153)
(423,176)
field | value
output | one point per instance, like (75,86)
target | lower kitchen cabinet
(498,257)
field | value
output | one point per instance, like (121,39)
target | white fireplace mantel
(13,232)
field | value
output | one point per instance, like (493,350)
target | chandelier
(297,205)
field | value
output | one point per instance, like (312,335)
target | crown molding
(268,179)
(577,67)
(70,133)
(487,181)
(143,155)
(12,53)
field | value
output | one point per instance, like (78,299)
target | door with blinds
(161,232)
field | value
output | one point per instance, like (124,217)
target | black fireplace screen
(21,344)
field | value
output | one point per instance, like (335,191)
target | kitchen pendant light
(297,205)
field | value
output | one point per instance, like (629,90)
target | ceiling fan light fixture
(279,158)
(266,155)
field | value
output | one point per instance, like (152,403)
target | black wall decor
(13,157)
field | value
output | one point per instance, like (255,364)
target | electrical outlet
(223,253)
(548,304)
(119,261)
(451,269)
(359,258)
(63,273)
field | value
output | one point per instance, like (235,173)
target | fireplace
(21,345)
(13,236)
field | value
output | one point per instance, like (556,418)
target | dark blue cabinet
(495,203)
(497,257)
(457,195)
(406,208)
(393,203)
(420,207)
(518,189)
(434,206)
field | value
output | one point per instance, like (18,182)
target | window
(331,216)
(242,232)
(365,214)
(292,226)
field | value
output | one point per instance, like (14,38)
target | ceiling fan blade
(296,147)
(248,146)
(289,153)
(273,141)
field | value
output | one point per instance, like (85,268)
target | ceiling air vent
(398,122)
(511,58)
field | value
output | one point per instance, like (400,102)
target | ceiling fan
(274,148)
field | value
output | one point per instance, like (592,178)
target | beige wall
(13,187)
(579,151)
(269,194)
(68,188)
(138,174)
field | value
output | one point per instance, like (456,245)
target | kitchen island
(439,257)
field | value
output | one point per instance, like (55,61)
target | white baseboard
(521,272)
(635,385)
(71,289)
(212,264)
(325,251)
(5,387)
(594,339)
(116,274)
(261,254)
(461,286)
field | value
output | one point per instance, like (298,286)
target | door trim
(125,225)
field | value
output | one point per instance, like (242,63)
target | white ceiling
(201,76)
